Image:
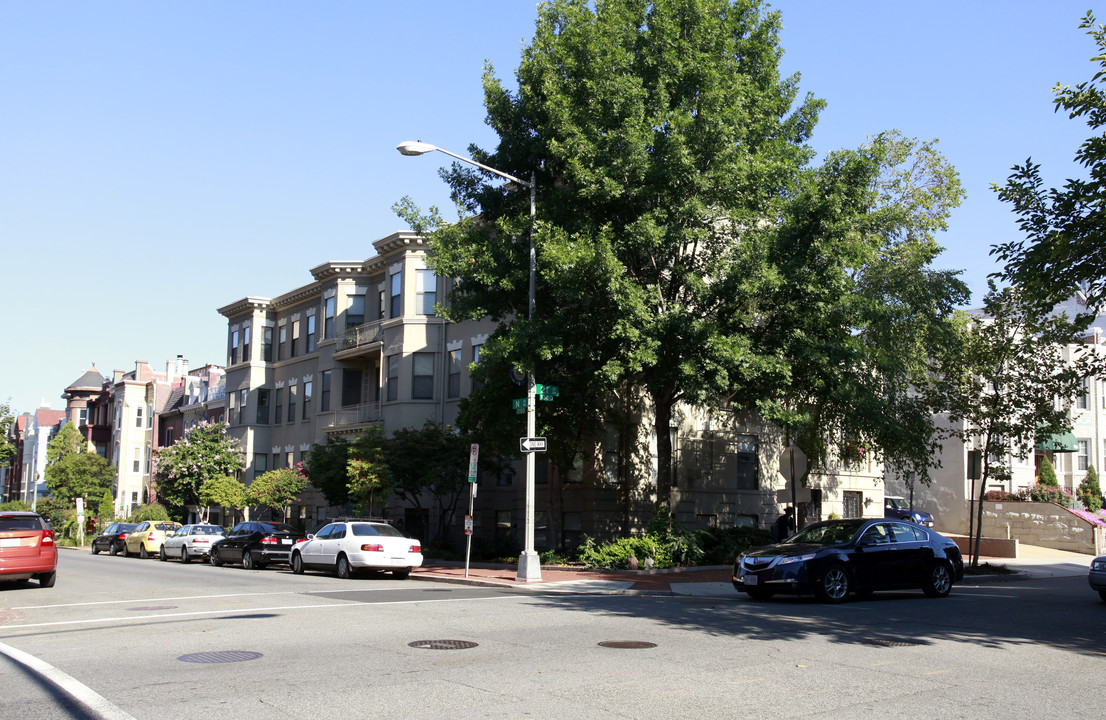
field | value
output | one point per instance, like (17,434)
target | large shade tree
(1064,243)
(205,452)
(679,226)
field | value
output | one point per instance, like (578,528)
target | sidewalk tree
(225,491)
(278,488)
(106,509)
(68,441)
(1089,491)
(74,472)
(1004,381)
(203,453)
(327,469)
(1062,250)
(367,469)
(676,209)
(7,447)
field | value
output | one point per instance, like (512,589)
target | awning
(1059,443)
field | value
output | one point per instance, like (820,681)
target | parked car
(834,558)
(256,544)
(145,540)
(898,508)
(191,541)
(27,548)
(1097,576)
(345,547)
(112,540)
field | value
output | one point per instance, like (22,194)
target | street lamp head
(415,147)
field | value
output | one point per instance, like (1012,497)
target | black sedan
(256,544)
(113,539)
(834,558)
(1097,576)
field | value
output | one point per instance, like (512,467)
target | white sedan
(191,541)
(345,547)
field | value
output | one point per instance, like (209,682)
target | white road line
(241,611)
(77,690)
(134,601)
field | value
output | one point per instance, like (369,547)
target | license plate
(750,579)
(10,542)
(285,542)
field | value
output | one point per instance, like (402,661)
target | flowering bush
(1097,517)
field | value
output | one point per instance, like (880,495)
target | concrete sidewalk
(713,581)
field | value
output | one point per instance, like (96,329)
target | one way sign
(528,445)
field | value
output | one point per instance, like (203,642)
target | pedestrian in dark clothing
(785,525)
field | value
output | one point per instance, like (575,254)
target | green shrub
(616,554)
(1046,493)
(1048,474)
(721,547)
(1090,492)
(152,511)
(17,505)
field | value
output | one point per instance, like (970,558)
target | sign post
(80,519)
(474,458)
(793,467)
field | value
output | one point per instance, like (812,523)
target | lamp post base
(529,567)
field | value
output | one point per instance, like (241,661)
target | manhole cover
(151,607)
(442,644)
(888,642)
(223,656)
(627,644)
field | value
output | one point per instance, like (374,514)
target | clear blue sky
(161,159)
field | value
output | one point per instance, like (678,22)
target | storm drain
(223,656)
(888,642)
(442,644)
(627,644)
(148,608)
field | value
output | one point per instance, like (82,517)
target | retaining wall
(1044,524)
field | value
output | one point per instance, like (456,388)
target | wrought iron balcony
(362,335)
(363,414)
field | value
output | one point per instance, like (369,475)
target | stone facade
(1044,524)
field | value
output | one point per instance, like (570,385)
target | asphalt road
(147,639)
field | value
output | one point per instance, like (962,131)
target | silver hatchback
(191,541)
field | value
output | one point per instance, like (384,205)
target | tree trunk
(979,510)
(662,406)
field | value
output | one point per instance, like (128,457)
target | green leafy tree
(68,441)
(225,491)
(1063,249)
(326,467)
(1048,474)
(278,488)
(678,227)
(80,475)
(431,463)
(7,447)
(203,453)
(106,510)
(367,469)
(18,505)
(1004,380)
(1089,491)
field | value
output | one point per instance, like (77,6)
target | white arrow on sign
(536,444)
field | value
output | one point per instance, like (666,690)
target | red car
(27,548)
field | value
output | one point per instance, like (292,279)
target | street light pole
(529,564)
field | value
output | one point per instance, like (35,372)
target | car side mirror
(310,536)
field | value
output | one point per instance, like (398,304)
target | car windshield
(893,503)
(207,530)
(277,528)
(837,532)
(365,529)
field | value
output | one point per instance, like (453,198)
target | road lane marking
(245,611)
(204,597)
(72,687)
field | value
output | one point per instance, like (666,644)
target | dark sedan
(113,539)
(256,544)
(834,558)
(1097,576)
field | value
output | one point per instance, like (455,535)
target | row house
(31,433)
(11,475)
(360,344)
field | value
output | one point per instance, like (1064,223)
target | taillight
(299,540)
(415,549)
(122,536)
(47,536)
(372,548)
(270,541)
(200,541)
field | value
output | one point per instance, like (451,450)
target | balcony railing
(355,415)
(362,335)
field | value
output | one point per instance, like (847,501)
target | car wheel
(760,594)
(142,552)
(939,582)
(247,560)
(835,585)
(46,580)
(297,564)
(95,550)
(184,555)
(342,568)
(215,559)
(161,554)
(124,551)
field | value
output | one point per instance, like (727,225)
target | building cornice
(245,304)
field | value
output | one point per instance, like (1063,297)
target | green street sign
(519,405)
(547,392)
